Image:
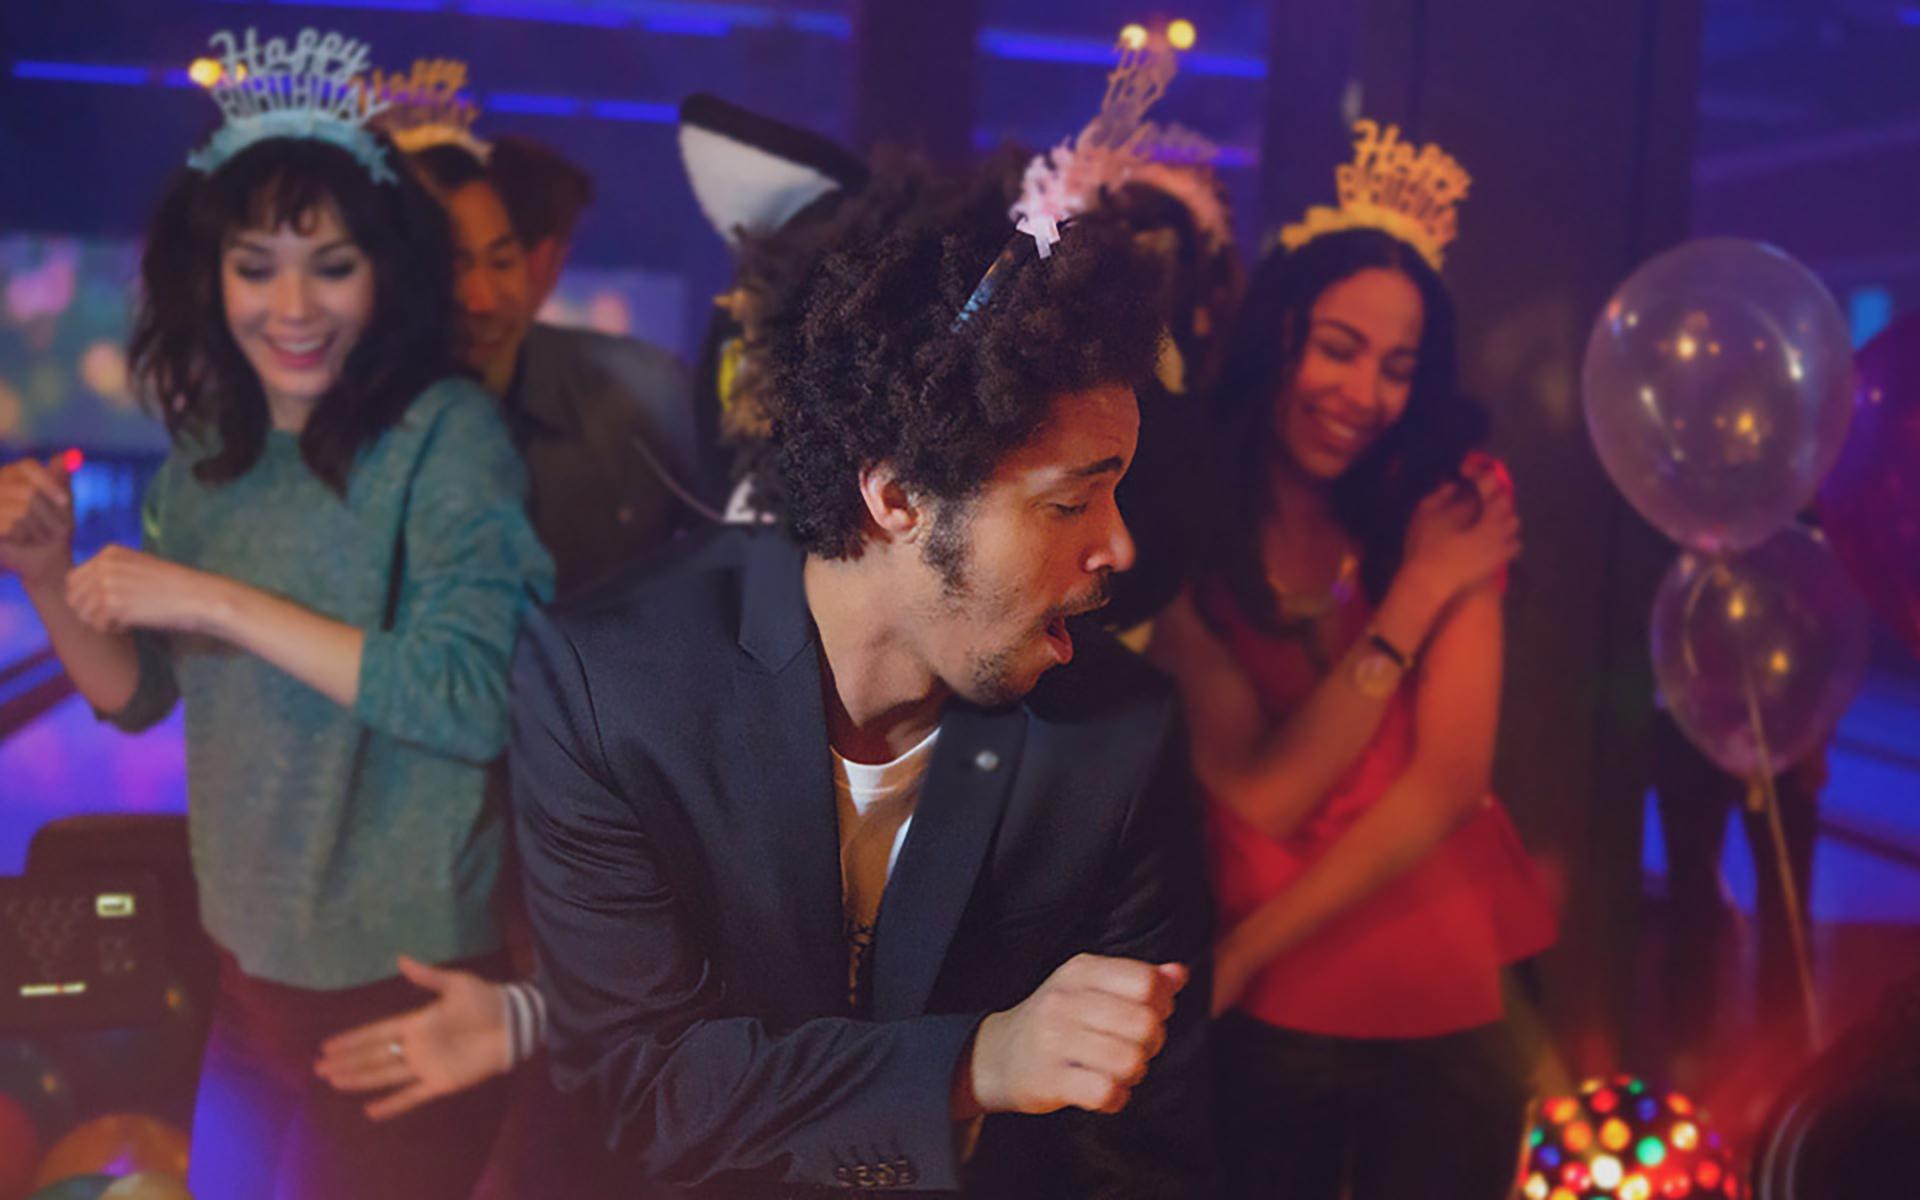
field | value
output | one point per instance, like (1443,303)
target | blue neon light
(1869,310)
(537,103)
(399,5)
(559,14)
(687,25)
(634,110)
(1233,66)
(1042,47)
(72,72)
(825,24)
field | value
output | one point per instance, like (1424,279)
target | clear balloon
(1717,390)
(1870,504)
(1777,634)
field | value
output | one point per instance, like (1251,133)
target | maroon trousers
(265,1127)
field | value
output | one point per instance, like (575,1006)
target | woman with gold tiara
(1339,657)
(335,562)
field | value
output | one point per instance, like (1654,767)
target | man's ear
(895,511)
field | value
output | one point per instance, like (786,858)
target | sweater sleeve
(157,689)
(471,568)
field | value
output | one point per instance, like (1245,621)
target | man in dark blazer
(1017,1006)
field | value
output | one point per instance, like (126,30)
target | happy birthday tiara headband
(427,107)
(1066,181)
(1390,187)
(310,90)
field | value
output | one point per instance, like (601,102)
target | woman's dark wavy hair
(1375,498)
(185,358)
(866,366)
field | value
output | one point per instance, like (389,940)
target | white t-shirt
(875,803)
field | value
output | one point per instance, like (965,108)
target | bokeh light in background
(65,313)
(1620,1139)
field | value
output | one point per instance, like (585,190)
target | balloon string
(1764,784)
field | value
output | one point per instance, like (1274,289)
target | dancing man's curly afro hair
(866,366)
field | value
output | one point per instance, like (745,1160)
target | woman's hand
(120,589)
(36,520)
(456,1041)
(1462,536)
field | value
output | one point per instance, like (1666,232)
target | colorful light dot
(1607,1172)
(1615,1135)
(1549,1157)
(1536,1137)
(1536,1188)
(1686,1135)
(204,71)
(1604,1101)
(1575,1176)
(1635,1087)
(1680,1104)
(1181,35)
(1708,1173)
(1648,1109)
(1651,1152)
(1562,1109)
(1562,1194)
(1578,1136)
(1677,1187)
(73,460)
(1636,1187)
(1133,37)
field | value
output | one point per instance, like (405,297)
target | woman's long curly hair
(1375,498)
(184,355)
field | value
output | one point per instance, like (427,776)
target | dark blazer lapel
(790,831)
(953,825)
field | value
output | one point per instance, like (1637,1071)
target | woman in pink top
(1340,665)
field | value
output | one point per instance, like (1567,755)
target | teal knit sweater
(326,841)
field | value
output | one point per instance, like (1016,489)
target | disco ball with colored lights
(1622,1140)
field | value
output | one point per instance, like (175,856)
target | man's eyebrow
(1113,465)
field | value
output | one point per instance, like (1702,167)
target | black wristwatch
(1377,673)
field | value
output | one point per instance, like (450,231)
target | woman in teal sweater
(335,563)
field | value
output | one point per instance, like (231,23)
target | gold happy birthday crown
(427,107)
(1390,187)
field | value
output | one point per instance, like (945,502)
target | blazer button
(986,760)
